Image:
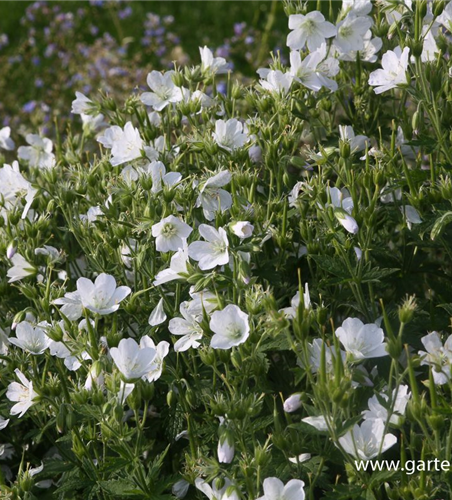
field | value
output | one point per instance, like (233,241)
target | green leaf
(440,224)
(121,488)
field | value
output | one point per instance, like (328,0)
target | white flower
(178,265)
(305,71)
(350,33)
(39,153)
(160,177)
(368,440)
(3,423)
(157,316)
(229,135)
(127,146)
(30,339)
(13,186)
(430,48)
(212,64)
(357,142)
(368,53)
(225,448)
(93,123)
(23,394)
(318,422)
(161,351)
(315,356)
(304,457)
(188,327)
(362,341)
(5,141)
(274,489)
(400,398)
(311,29)
(92,215)
(439,357)
(170,234)
(292,403)
(125,390)
(411,215)
(216,493)
(395,65)
(446,17)
(356,7)
(212,198)
(180,488)
(111,135)
(81,105)
(72,305)
(164,91)
(291,311)
(21,269)
(243,229)
(230,326)
(277,81)
(131,359)
(212,252)
(343,204)
(102,296)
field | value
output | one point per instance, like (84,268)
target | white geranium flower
(21,268)
(21,393)
(180,488)
(276,81)
(214,251)
(164,91)
(160,177)
(32,340)
(216,493)
(430,48)
(366,441)
(5,140)
(157,316)
(161,351)
(212,198)
(110,136)
(128,146)
(399,401)
(102,296)
(446,17)
(131,359)
(225,448)
(357,142)
(367,54)
(188,327)
(212,64)
(437,356)
(309,71)
(13,187)
(229,134)
(170,234)
(81,105)
(343,204)
(362,341)
(230,326)
(39,153)
(292,403)
(178,265)
(350,33)
(315,356)
(93,123)
(3,422)
(318,422)
(92,215)
(243,229)
(393,72)
(411,215)
(274,489)
(291,312)
(356,7)
(310,30)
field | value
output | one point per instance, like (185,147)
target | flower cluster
(240,294)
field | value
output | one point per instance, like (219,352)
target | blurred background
(48,50)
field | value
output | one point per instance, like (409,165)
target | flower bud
(10,251)
(292,403)
(226,448)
